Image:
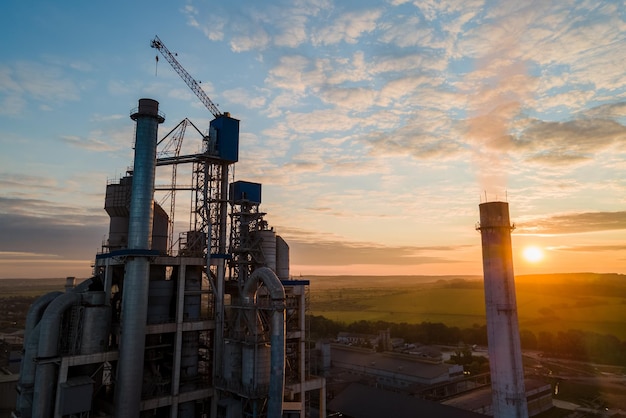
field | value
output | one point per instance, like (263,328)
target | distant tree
(472,364)
(574,344)
(545,342)
(528,339)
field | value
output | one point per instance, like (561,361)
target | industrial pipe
(36,310)
(31,342)
(277,336)
(136,280)
(49,334)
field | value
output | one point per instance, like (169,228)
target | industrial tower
(505,353)
(209,325)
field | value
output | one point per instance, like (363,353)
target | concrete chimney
(505,353)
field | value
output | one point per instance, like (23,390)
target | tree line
(571,344)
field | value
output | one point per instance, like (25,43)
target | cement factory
(208,322)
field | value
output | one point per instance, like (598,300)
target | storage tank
(255,366)
(97,321)
(117,204)
(268,246)
(282,258)
(160,227)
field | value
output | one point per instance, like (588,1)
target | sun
(533,254)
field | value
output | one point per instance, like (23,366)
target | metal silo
(268,246)
(160,227)
(255,366)
(282,258)
(96,324)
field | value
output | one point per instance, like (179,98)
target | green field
(585,301)
(588,302)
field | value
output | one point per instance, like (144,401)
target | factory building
(392,370)
(538,398)
(208,324)
(362,401)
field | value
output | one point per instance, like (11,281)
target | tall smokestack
(505,353)
(136,278)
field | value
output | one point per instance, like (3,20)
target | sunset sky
(375,127)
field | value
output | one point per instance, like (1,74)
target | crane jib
(187,78)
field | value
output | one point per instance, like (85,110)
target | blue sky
(375,127)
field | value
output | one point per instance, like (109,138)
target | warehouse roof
(361,401)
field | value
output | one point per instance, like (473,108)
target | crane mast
(207,235)
(187,78)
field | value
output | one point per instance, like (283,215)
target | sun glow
(533,254)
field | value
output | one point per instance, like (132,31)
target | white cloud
(245,98)
(293,31)
(44,83)
(432,9)
(321,121)
(257,39)
(12,105)
(408,33)
(295,73)
(27,80)
(355,98)
(348,27)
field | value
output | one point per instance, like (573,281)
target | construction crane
(187,78)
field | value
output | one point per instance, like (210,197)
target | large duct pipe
(277,337)
(49,334)
(505,354)
(36,310)
(31,343)
(136,280)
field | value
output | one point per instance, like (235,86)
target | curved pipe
(31,342)
(36,310)
(277,336)
(269,279)
(45,375)
(83,286)
(31,345)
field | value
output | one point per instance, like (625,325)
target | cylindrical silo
(255,366)
(136,279)
(268,247)
(117,203)
(505,354)
(96,323)
(160,226)
(282,258)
